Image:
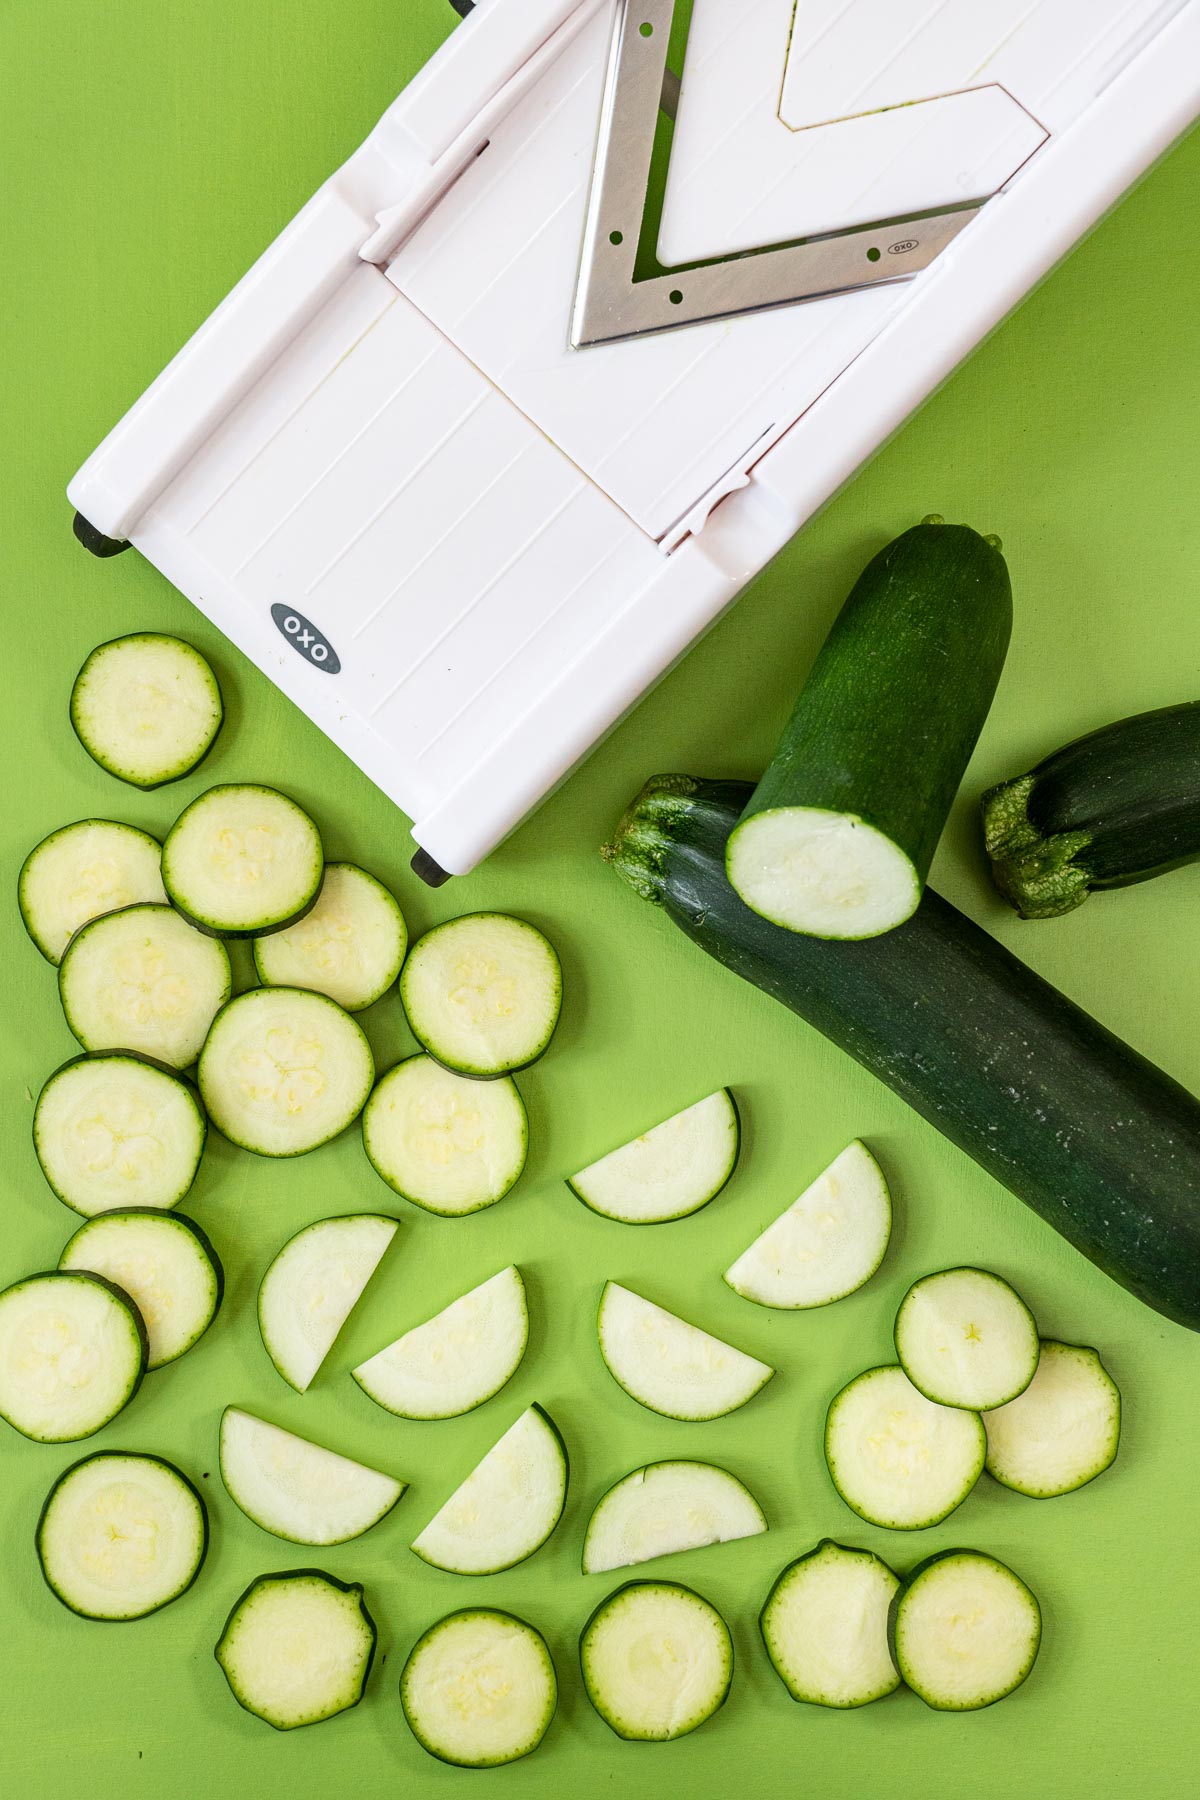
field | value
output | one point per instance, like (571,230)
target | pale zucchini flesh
(313,1285)
(1063,1430)
(672,1170)
(826,874)
(166,1265)
(456,1360)
(896,1458)
(479,1689)
(665,1508)
(965,1631)
(146,708)
(657,1661)
(442,1141)
(483,994)
(121,1535)
(284,1071)
(72,1354)
(81,872)
(112,1130)
(966,1338)
(143,980)
(243,860)
(825,1626)
(350,945)
(828,1242)
(297,1648)
(296,1489)
(508,1505)
(669,1366)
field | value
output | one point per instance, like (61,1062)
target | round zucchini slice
(113,1131)
(141,979)
(297,1648)
(1062,1431)
(350,946)
(446,1143)
(283,1071)
(670,1366)
(896,1458)
(146,708)
(121,1535)
(243,860)
(825,1626)
(657,1661)
(508,1505)
(665,1508)
(965,1631)
(296,1489)
(456,1360)
(81,872)
(165,1264)
(72,1354)
(313,1285)
(966,1338)
(479,1689)
(671,1171)
(483,994)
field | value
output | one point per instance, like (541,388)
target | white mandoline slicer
(488,436)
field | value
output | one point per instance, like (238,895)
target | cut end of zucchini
(444,1142)
(312,1287)
(1063,1430)
(479,1689)
(964,1337)
(657,1661)
(896,1458)
(164,1263)
(483,994)
(296,1489)
(283,1071)
(670,1171)
(666,1508)
(72,1354)
(828,1242)
(350,946)
(297,1648)
(243,860)
(508,1505)
(121,1535)
(456,1360)
(81,872)
(826,874)
(112,1130)
(144,980)
(965,1631)
(146,708)
(670,1366)
(825,1626)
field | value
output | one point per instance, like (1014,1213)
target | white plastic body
(383,433)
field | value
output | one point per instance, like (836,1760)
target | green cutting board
(149,152)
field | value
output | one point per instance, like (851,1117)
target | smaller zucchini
(166,1265)
(479,1689)
(657,1661)
(121,1535)
(297,1647)
(825,1626)
(81,872)
(1062,1431)
(243,860)
(966,1338)
(670,1171)
(965,1631)
(483,994)
(1118,806)
(146,708)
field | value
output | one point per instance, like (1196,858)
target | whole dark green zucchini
(839,834)
(1092,1136)
(1112,808)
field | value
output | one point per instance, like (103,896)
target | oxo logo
(303,636)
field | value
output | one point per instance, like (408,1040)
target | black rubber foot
(463,7)
(431,873)
(95,541)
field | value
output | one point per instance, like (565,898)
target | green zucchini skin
(1118,806)
(1099,1142)
(887,720)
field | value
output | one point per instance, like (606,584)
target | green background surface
(148,153)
